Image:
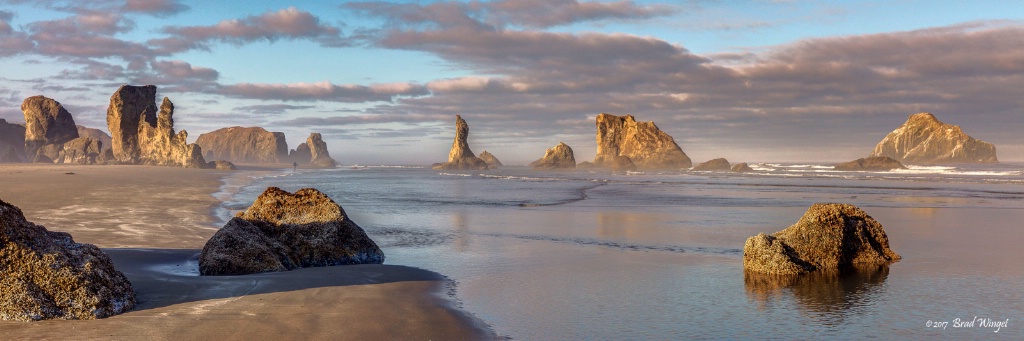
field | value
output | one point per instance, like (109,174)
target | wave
(453,174)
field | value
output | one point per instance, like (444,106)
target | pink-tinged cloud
(289,23)
(181,69)
(323,91)
(504,13)
(158,8)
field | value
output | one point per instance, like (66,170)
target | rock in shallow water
(829,237)
(46,275)
(284,231)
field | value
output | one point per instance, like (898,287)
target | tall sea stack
(461,157)
(923,139)
(624,144)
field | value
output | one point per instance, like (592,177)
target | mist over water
(658,255)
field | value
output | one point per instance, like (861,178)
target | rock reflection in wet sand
(826,298)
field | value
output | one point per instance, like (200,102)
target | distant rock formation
(283,231)
(490,159)
(829,238)
(300,154)
(46,122)
(585,165)
(142,136)
(719,164)
(319,156)
(244,144)
(741,168)
(923,139)
(82,151)
(46,275)
(12,142)
(557,157)
(642,143)
(221,165)
(875,163)
(461,157)
(95,134)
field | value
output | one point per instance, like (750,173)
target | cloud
(324,91)
(361,119)
(159,8)
(289,23)
(181,69)
(271,109)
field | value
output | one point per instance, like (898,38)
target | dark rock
(828,238)
(46,275)
(718,164)
(557,157)
(875,163)
(461,157)
(319,156)
(300,154)
(241,144)
(742,168)
(923,139)
(46,122)
(12,142)
(585,165)
(490,159)
(82,151)
(40,158)
(284,231)
(95,134)
(221,165)
(646,146)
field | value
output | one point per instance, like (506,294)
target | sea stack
(828,238)
(461,157)
(491,160)
(46,122)
(141,135)
(923,139)
(877,163)
(244,144)
(719,164)
(624,144)
(318,154)
(741,168)
(557,157)
(12,142)
(284,231)
(47,275)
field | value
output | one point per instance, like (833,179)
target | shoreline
(153,222)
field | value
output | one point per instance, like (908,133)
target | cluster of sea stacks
(143,134)
(923,139)
(46,275)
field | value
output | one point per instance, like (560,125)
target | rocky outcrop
(828,238)
(300,154)
(876,163)
(461,157)
(46,275)
(642,143)
(319,156)
(46,122)
(140,135)
(95,134)
(221,165)
(284,231)
(741,168)
(82,151)
(12,142)
(923,139)
(585,165)
(557,157)
(244,144)
(491,160)
(718,164)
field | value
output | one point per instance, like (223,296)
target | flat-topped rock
(557,157)
(718,164)
(875,163)
(46,275)
(923,139)
(460,157)
(828,238)
(642,143)
(244,144)
(12,142)
(46,122)
(284,231)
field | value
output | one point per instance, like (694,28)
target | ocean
(597,255)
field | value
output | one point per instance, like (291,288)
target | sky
(751,81)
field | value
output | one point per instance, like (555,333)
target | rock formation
(284,231)
(923,139)
(300,154)
(241,144)
(490,159)
(828,238)
(461,157)
(12,142)
(585,165)
(319,156)
(557,157)
(46,275)
(142,136)
(82,151)
(95,134)
(741,168)
(642,143)
(46,122)
(876,163)
(718,164)
(221,165)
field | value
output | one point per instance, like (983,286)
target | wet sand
(153,221)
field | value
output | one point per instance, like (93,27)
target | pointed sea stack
(141,135)
(923,139)
(461,157)
(623,143)
(319,156)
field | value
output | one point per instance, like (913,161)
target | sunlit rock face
(923,139)
(460,157)
(642,144)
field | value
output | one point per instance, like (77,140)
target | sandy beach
(153,222)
